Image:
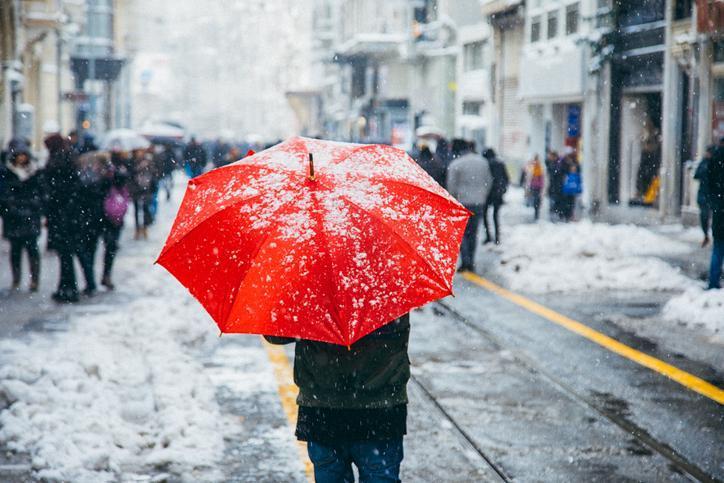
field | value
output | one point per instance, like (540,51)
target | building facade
(52,53)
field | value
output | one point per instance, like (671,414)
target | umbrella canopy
(328,250)
(123,140)
(162,131)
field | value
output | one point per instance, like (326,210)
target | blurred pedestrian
(431,164)
(143,186)
(115,206)
(63,211)
(715,192)
(90,167)
(501,180)
(194,158)
(534,181)
(469,179)
(572,187)
(219,152)
(444,154)
(21,208)
(556,177)
(702,197)
(233,155)
(163,158)
(353,403)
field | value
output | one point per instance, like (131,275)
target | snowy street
(136,385)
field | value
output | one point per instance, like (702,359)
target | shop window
(552,24)
(682,9)
(572,15)
(718,48)
(535,29)
(472,108)
(473,56)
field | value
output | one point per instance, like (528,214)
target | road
(498,393)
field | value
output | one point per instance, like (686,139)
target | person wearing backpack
(495,198)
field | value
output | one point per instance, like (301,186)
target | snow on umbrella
(123,140)
(315,239)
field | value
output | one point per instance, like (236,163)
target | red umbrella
(315,239)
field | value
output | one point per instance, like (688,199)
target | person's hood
(22,172)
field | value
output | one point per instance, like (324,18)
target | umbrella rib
(456,204)
(333,279)
(438,277)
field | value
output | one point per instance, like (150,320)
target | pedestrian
(556,178)
(165,165)
(497,191)
(21,208)
(233,155)
(143,186)
(715,192)
(431,164)
(115,206)
(534,181)
(572,187)
(194,158)
(702,195)
(353,403)
(469,179)
(63,212)
(91,193)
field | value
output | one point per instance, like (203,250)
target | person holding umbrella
(331,255)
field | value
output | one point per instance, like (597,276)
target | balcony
(377,45)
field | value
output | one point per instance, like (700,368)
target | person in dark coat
(63,211)
(353,403)
(431,164)
(715,192)
(21,207)
(556,174)
(702,195)
(91,194)
(495,198)
(143,186)
(194,158)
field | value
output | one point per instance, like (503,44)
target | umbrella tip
(311,166)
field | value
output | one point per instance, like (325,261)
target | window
(472,108)
(473,56)
(535,29)
(572,19)
(682,9)
(552,24)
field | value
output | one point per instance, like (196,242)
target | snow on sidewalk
(119,393)
(699,308)
(547,257)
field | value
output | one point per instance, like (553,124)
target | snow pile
(582,256)
(118,393)
(698,307)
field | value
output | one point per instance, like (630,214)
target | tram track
(676,460)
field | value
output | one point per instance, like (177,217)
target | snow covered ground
(699,308)
(119,392)
(556,257)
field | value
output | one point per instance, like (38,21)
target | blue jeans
(377,461)
(717,259)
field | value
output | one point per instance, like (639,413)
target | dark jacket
(63,205)
(21,204)
(500,181)
(715,192)
(700,175)
(372,374)
(432,165)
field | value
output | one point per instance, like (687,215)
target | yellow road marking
(690,381)
(288,394)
